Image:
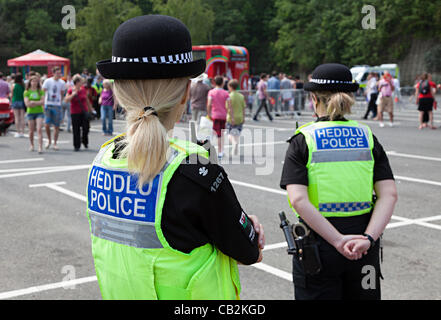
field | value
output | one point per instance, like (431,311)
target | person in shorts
(18,105)
(386,87)
(34,99)
(235,113)
(425,92)
(217,97)
(54,88)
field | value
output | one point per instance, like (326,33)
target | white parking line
(56,186)
(45,287)
(261,266)
(277,272)
(413,156)
(21,160)
(59,169)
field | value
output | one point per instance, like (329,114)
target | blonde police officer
(331,169)
(165,223)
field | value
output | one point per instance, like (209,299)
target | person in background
(65,106)
(18,105)
(273,87)
(262,95)
(386,87)
(235,114)
(108,105)
(198,98)
(79,108)
(372,95)
(92,95)
(216,110)
(85,73)
(54,88)
(396,94)
(425,91)
(34,100)
(286,92)
(5,89)
(300,95)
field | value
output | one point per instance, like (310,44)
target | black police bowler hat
(331,77)
(151,47)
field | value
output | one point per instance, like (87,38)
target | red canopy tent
(40,58)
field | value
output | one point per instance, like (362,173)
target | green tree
(91,41)
(195,14)
(432,59)
(39,32)
(246,23)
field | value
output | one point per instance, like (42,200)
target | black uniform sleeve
(294,168)
(382,169)
(201,207)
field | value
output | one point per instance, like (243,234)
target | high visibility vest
(340,167)
(133,260)
(98,88)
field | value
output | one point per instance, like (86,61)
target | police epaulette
(209,176)
(113,139)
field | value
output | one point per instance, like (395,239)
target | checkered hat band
(343,206)
(326,81)
(179,58)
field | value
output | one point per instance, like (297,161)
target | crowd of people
(58,101)
(381,93)
(71,102)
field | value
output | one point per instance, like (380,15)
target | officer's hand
(340,245)
(359,247)
(259,230)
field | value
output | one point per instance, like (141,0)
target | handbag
(378,99)
(88,115)
(205,129)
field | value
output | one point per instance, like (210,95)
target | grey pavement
(45,237)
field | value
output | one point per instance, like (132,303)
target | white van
(361,72)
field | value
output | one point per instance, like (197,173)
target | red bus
(230,60)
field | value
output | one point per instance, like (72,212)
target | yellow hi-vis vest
(340,167)
(133,260)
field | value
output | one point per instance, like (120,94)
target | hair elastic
(147,109)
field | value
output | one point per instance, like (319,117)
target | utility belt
(302,242)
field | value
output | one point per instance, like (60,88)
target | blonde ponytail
(336,104)
(146,142)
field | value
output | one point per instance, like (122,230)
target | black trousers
(372,106)
(340,278)
(263,105)
(80,130)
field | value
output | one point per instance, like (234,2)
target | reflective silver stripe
(100,155)
(131,233)
(341,155)
(343,206)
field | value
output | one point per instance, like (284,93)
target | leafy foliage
(280,34)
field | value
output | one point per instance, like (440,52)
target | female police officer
(163,226)
(331,168)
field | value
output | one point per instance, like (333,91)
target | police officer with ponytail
(165,222)
(333,170)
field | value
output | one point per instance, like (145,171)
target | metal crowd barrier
(281,103)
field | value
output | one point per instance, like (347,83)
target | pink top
(261,86)
(385,88)
(218,99)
